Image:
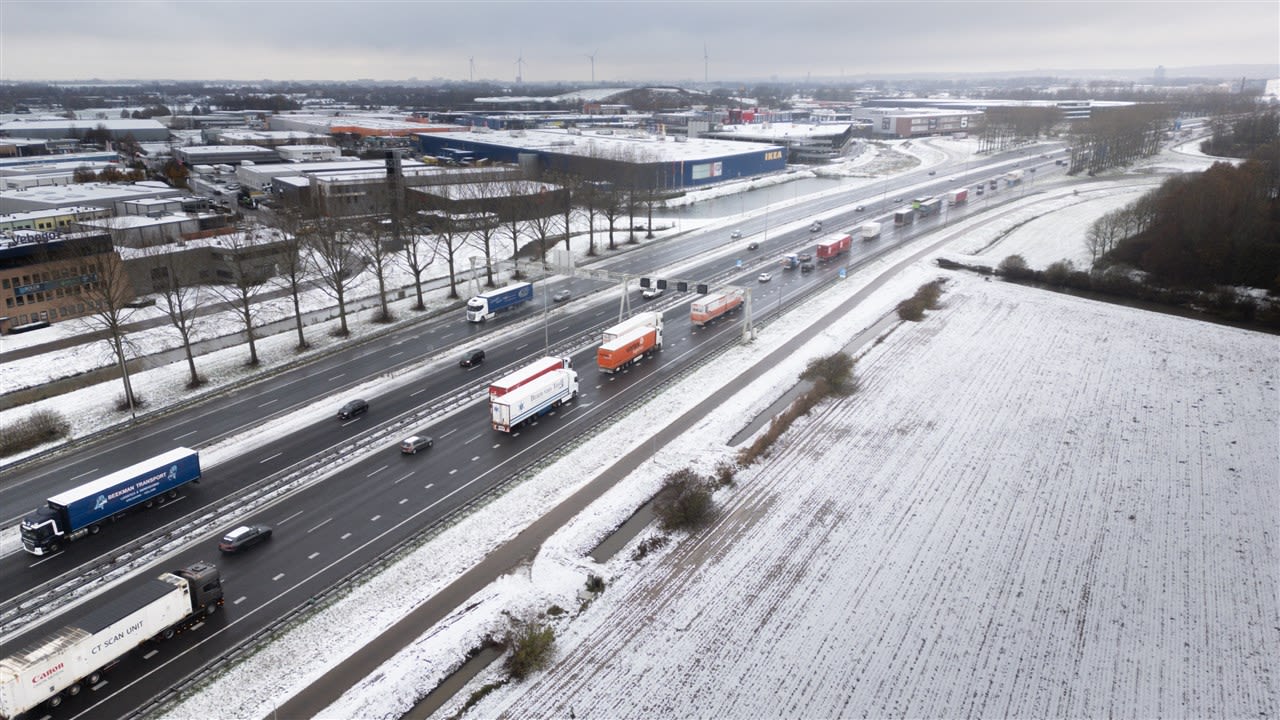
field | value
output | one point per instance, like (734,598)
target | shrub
(555,611)
(911,309)
(1015,267)
(647,546)
(531,644)
(595,583)
(836,372)
(1057,273)
(40,427)
(684,502)
(725,471)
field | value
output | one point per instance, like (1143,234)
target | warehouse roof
(625,145)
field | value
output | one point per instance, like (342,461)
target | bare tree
(418,252)
(175,278)
(542,223)
(294,265)
(610,204)
(481,195)
(336,262)
(515,209)
(250,271)
(377,247)
(107,299)
(448,241)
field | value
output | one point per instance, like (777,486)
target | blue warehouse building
(621,156)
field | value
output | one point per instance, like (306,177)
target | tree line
(1218,227)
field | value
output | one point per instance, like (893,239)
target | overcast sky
(631,41)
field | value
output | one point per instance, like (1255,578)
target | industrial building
(140,130)
(193,155)
(51,220)
(97,194)
(901,122)
(49,277)
(805,142)
(627,157)
(362,125)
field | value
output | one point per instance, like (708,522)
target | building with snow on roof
(140,130)
(631,157)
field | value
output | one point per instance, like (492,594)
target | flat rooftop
(609,143)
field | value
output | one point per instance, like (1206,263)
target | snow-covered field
(1039,506)
(974,525)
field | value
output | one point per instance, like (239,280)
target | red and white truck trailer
(533,399)
(957,197)
(834,246)
(629,342)
(75,657)
(711,307)
(533,370)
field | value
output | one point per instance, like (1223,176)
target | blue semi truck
(83,510)
(486,305)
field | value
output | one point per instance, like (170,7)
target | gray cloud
(386,40)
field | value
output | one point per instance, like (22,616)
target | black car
(472,358)
(753,246)
(352,409)
(243,538)
(806,267)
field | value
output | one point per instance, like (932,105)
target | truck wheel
(94,529)
(167,634)
(93,678)
(73,690)
(209,611)
(54,701)
(54,547)
(173,494)
(150,504)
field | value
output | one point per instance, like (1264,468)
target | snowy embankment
(1072,517)
(310,649)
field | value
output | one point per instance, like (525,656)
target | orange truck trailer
(629,346)
(711,307)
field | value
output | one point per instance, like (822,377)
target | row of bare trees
(299,248)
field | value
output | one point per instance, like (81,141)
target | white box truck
(533,399)
(75,657)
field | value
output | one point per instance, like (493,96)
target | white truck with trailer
(533,399)
(869,231)
(75,657)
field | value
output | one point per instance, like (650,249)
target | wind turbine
(473,68)
(705,60)
(592,56)
(520,67)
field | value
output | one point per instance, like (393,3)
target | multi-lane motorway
(331,528)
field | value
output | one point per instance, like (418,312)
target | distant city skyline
(619,42)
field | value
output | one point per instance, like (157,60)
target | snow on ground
(1073,517)
(1052,226)
(247,691)
(928,647)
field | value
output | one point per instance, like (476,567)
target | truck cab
(40,532)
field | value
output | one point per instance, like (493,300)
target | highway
(330,529)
